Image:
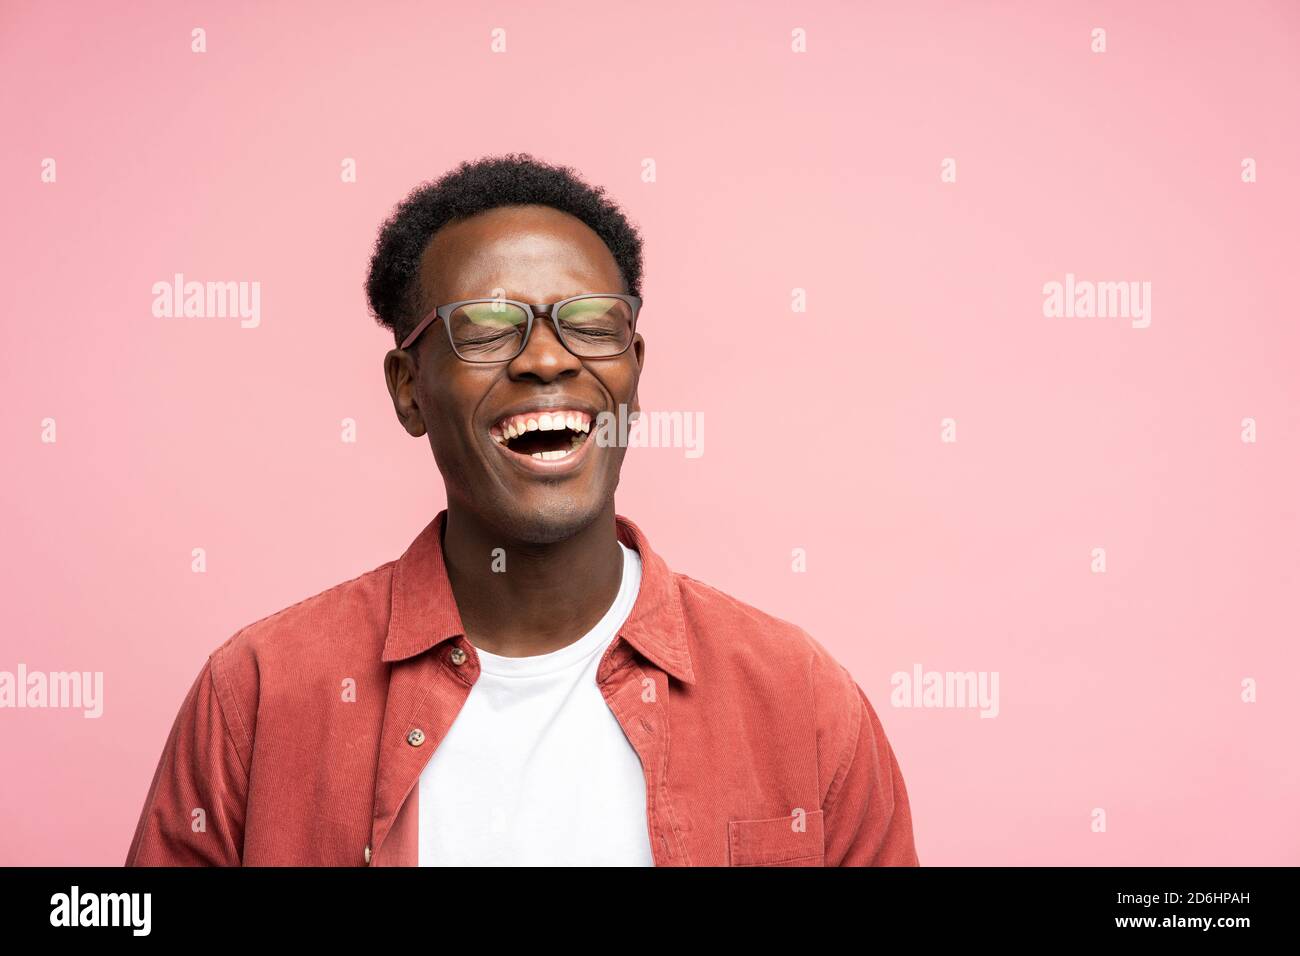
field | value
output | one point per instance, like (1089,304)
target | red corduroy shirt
(302,740)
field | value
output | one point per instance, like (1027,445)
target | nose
(544,357)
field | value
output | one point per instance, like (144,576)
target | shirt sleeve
(867,817)
(194,812)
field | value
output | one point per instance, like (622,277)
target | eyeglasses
(593,325)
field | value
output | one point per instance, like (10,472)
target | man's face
(531,254)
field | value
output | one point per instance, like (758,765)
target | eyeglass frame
(547,309)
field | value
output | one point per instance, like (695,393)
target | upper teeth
(515,425)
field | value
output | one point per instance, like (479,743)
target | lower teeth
(555,455)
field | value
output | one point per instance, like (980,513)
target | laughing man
(529,683)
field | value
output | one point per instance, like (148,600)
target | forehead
(534,253)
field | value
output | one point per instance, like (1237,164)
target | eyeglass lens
(492,330)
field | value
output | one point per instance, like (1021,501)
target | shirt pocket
(775,842)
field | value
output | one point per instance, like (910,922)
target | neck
(547,596)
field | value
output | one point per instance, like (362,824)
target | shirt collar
(424,612)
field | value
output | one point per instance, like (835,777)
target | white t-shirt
(535,770)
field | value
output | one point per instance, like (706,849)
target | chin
(554,518)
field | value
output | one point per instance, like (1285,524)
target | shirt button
(458,656)
(415,737)
(367,856)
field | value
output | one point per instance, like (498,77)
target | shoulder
(728,631)
(735,626)
(338,616)
(337,630)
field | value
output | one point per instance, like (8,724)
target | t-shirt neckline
(600,634)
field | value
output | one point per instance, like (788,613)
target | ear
(638,350)
(400,375)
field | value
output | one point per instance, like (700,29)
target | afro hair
(393,283)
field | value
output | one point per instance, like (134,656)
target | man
(529,683)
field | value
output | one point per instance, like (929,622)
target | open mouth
(547,436)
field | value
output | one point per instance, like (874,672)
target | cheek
(448,403)
(449,434)
(621,381)
(450,444)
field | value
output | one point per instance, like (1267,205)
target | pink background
(775,171)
